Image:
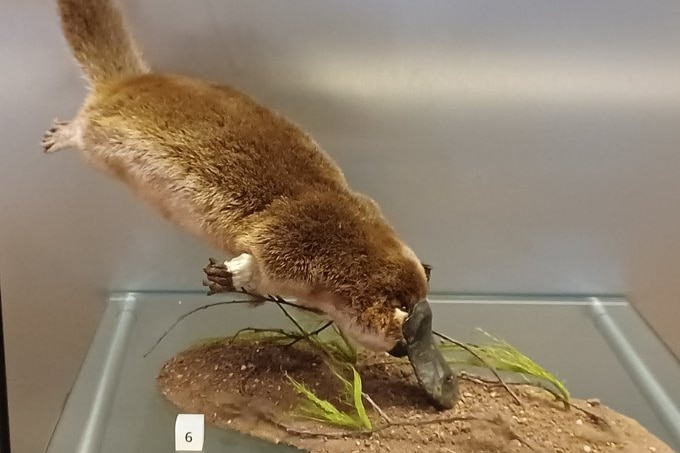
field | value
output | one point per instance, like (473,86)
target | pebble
(652,449)
(467,394)
(243,367)
(587,449)
(593,402)
(493,394)
(579,422)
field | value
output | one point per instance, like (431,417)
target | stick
(496,419)
(284,333)
(377,408)
(596,418)
(312,333)
(186,315)
(257,297)
(278,301)
(481,359)
(592,415)
(368,432)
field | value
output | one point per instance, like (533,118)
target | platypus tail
(99,40)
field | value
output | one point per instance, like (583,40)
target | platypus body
(242,178)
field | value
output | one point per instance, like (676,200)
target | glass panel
(115,405)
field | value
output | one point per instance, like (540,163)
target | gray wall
(520,147)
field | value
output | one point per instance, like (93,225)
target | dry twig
(495,419)
(376,407)
(598,419)
(481,359)
(257,298)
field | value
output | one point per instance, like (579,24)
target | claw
(218,278)
(217,272)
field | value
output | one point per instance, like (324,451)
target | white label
(189,432)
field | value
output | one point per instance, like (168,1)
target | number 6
(189,432)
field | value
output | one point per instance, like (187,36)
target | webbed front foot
(229,276)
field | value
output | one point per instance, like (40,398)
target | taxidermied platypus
(252,184)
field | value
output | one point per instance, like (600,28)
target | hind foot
(230,276)
(61,135)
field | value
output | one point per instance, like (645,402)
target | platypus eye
(401,305)
(428,270)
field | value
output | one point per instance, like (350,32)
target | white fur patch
(369,339)
(241,269)
(400,315)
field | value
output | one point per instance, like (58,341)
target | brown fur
(239,176)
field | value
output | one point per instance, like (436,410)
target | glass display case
(518,147)
(599,347)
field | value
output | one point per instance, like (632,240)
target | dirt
(243,386)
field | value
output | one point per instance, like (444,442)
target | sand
(243,386)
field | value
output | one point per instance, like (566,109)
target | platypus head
(396,318)
(431,369)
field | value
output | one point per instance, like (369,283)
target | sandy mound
(243,386)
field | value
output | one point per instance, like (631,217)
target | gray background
(519,147)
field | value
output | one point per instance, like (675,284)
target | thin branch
(285,334)
(189,313)
(496,419)
(484,361)
(592,415)
(279,301)
(481,381)
(377,408)
(312,333)
(275,299)
(368,432)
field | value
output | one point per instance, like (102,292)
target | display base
(246,386)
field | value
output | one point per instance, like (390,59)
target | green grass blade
(359,401)
(321,410)
(502,356)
